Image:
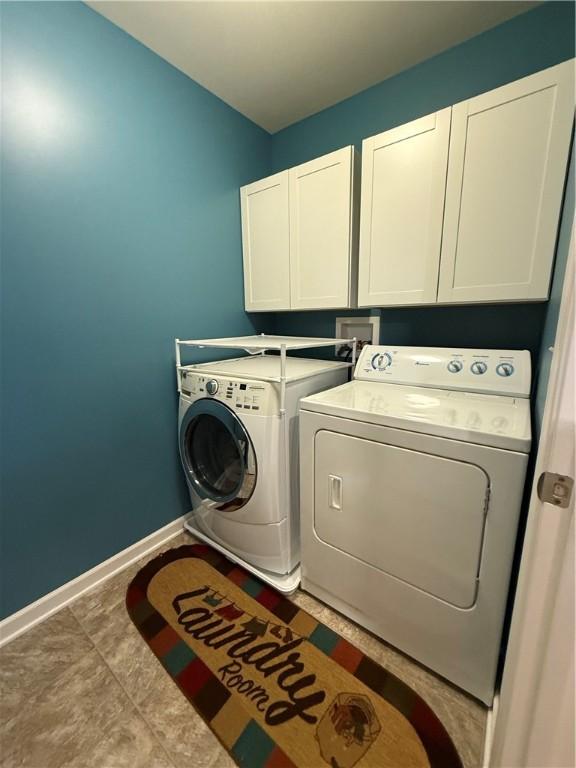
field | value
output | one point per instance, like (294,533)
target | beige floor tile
(102,613)
(181,730)
(128,743)
(178,541)
(61,724)
(91,608)
(33,661)
(221,759)
(128,655)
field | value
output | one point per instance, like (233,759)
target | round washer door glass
(217,454)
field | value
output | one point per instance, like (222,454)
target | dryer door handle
(335,491)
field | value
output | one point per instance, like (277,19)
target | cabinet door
(508,156)
(265,243)
(321,231)
(402,204)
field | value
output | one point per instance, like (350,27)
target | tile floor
(82,690)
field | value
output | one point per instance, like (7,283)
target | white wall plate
(366,329)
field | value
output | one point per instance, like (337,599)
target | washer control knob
(505,369)
(454,366)
(478,368)
(212,387)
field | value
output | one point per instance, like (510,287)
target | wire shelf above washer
(259,345)
(263,342)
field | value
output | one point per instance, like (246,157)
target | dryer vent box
(365,329)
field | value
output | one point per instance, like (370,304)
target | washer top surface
(492,420)
(267,367)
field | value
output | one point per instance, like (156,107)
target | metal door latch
(555,489)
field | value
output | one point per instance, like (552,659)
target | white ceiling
(277,61)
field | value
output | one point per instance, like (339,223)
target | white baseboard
(489,735)
(41,609)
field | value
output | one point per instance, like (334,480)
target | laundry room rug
(277,687)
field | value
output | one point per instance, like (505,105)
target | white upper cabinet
(321,231)
(507,165)
(298,236)
(458,207)
(266,243)
(462,206)
(403,184)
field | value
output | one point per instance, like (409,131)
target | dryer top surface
(492,420)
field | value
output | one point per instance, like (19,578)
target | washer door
(217,455)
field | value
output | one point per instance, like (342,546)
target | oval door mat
(277,687)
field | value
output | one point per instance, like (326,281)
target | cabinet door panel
(508,157)
(402,204)
(265,243)
(320,231)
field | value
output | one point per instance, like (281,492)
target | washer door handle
(335,492)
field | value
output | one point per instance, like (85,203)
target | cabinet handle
(335,491)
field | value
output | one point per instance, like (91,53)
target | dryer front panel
(415,516)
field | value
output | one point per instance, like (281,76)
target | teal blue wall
(121,230)
(530,42)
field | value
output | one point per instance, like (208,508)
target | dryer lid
(491,420)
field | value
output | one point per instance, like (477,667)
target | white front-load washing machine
(411,479)
(240,457)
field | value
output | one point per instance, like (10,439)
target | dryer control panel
(493,371)
(240,395)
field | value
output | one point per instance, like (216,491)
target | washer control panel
(240,395)
(495,371)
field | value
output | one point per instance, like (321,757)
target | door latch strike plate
(555,489)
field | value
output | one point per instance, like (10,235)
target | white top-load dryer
(412,478)
(239,453)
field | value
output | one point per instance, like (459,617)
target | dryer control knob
(381,361)
(212,387)
(454,366)
(505,369)
(478,368)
